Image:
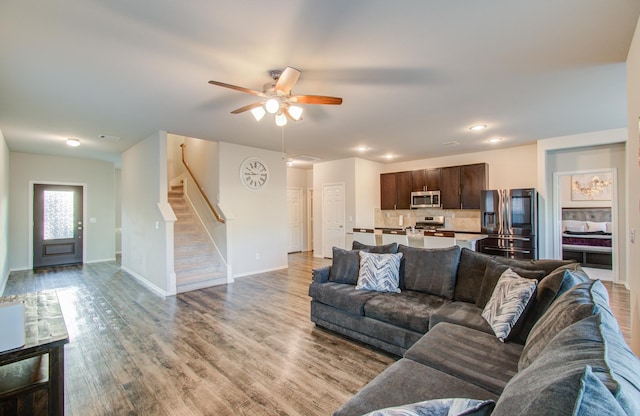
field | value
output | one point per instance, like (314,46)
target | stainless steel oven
(425,199)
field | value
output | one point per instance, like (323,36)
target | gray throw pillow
(387,248)
(470,273)
(550,287)
(345,266)
(581,301)
(430,271)
(493,272)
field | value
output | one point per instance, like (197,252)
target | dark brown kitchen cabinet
(425,180)
(450,187)
(460,186)
(395,190)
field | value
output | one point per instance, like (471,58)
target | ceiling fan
(277,97)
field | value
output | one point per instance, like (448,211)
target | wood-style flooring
(243,349)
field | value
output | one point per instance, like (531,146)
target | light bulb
(258,113)
(272,105)
(281,120)
(295,112)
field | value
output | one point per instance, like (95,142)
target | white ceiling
(413,74)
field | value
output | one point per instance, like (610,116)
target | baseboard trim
(145,282)
(272,269)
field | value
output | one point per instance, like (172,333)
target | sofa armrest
(321,275)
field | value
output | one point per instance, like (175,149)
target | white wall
(147,235)
(633,188)
(99,180)
(259,225)
(508,168)
(4,213)
(175,168)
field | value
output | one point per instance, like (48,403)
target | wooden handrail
(213,210)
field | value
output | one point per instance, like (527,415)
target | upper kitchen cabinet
(395,190)
(460,186)
(425,180)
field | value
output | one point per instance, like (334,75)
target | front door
(57,225)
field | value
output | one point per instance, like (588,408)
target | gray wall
(99,180)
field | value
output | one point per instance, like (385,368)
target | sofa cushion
(508,302)
(461,313)
(578,393)
(469,277)
(409,309)
(548,265)
(387,248)
(345,266)
(593,342)
(550,287)
(379,272)
(474,356)
(583,300)
(407,381)
(430,270)
(439,407)
(493,272)
(341,296)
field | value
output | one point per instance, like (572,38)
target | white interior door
(294,219)
(333,233)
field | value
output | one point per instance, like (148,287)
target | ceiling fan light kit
(277,98)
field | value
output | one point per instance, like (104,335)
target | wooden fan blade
(235,87)
(247,108)
(287,80)
(316,99)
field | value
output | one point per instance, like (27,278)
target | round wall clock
(254,173)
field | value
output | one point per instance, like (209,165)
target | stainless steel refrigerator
(510,218)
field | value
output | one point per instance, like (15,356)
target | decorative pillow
(596,227)
(379,272)
(430,271)
(439,407)
(550,287)
(574,226)
(387,248)
(492,273)
(581,301)
(508,301)
(344,268)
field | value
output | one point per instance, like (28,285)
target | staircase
(197,263)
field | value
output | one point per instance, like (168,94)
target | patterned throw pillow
(379,272)
(439,407)
(508,301)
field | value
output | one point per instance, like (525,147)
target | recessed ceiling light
(73,142)
(362,148)
(389,156)
(495,140)
(478,127)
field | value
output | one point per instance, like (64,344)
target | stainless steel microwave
(425,199)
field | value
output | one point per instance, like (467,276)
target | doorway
(57,225)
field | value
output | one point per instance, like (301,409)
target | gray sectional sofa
(564,355)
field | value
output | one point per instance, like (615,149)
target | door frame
(556,221)
(84,215)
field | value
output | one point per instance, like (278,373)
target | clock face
(254,173)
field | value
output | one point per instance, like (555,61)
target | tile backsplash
(454,219)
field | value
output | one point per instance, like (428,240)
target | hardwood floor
(247,348)
(243,349)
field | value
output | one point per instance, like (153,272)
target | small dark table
(26,385)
